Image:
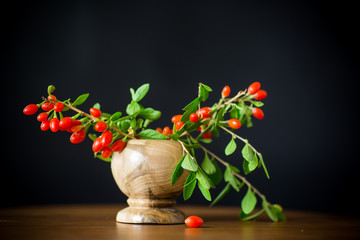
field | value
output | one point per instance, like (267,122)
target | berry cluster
(195,126)
(52,118)
(203,115)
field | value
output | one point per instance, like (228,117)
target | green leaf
(258,103)
(263,165)
(206,87)
(222,194)
(92,136)
(96,105)
(247,152)
(254,163)
(192,106)
(204,179)
(133,108)
(246,167)
(249,201)
(230,178)
(150,113)
(207,165)
(204,92)
(189,163)
(104,159)
(278,213)
(270,212)
(50,89)
(246,217)
(189,185)
(80,100)
(231,147)
(152,134)
(216,178)
(177,172)
(205,192)
(115,116)
(140,92)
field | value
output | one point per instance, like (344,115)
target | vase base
(148,215)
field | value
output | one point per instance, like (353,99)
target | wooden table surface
(98,222)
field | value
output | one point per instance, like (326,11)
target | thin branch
(235,173)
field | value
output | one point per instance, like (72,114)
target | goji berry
(204,112)
(159,129)
(95,112)
(226,91)
(234,123)
(106,138)
(54,125)
(118,146)
(52,98)
(45,125)
(30,109)
(106,152)
(207,135)
(97,145)
(258,113)
(166,130)
(58,107)
(260,95)
(179,125)
(42,117)
(47,106)
(66,123)
(193,117)
(176,118)
(194,221)
(254,87)
(78,137)
(100,126)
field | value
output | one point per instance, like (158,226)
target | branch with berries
(194,128)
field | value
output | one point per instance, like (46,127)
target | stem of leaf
(234,173)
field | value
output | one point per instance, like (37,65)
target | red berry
(106,138)
(194,221)
(260,95)
(258,113)
(179,125)
(234,123)
(100,126)
(159,129)
(193,117)
(207,135)
(166,130)
(254,87)
(51,98)
(226,91)
(118,146)
(30,109)
(204,112)
(47,106)
(42,117)
(176,118)
(97,145)
(58,107)
(106,152)
(78,137)
(66,122)
(45,125)
(54,124)
(95,112)
(75,126)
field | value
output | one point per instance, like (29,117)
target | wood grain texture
(98,222)
(143,172)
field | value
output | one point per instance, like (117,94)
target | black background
(304,53)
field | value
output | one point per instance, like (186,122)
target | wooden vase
(143,172)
